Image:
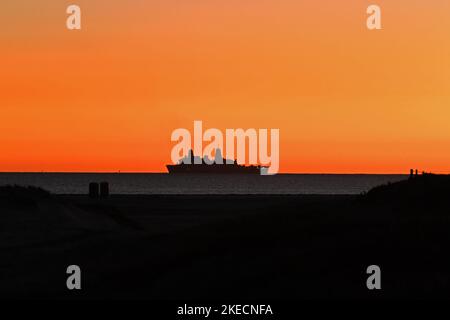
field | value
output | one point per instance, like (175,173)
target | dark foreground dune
(236,247)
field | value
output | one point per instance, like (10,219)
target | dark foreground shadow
(229,247)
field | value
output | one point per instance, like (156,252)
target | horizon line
(165,172)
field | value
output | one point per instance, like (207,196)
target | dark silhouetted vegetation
(21,196)
(421,194)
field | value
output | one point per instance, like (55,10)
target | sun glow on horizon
(107,97)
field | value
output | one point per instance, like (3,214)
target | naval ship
(219,165)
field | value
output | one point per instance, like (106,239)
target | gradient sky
(107,98)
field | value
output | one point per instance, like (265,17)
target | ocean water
(160,183)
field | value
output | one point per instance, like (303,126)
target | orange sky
(107,98)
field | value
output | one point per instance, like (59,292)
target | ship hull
(204,168)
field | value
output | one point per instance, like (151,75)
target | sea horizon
(166,172)
(187,183)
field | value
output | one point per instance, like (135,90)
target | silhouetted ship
(218,165)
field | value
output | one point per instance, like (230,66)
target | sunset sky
(107,97)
